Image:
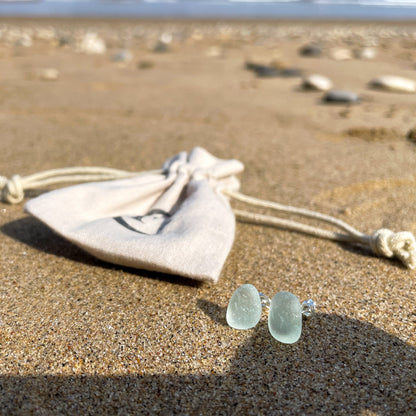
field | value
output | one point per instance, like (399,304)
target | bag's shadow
(35,234)
(340,366)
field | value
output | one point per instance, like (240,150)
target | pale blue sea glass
(244,308)
(285,317)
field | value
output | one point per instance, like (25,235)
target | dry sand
(78,336)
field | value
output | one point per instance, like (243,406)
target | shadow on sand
(35,234)
(340,366)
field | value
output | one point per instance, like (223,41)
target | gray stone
(291,72)
(411,135)
(263,71)
(310,50)
(269,71)
(161,47)
(342,97)
(123,55)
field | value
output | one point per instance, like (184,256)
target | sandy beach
(81,336)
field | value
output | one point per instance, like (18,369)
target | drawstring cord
(383,242)
(12,190)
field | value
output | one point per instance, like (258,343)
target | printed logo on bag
(149,224)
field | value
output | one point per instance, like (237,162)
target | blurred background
(317,9)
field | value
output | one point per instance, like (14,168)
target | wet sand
(82,336)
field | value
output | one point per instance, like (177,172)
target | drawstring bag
(175,220)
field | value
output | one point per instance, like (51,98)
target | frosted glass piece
(285,317)
(244,308)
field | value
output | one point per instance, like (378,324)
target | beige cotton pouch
(175,220)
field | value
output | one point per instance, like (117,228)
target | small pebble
(166,38)
(264,71)
(24,41)
(64,40)
(45,34)
(214,52)
(123,56)
(279,63)
(393,83)
(411,135)
(49,74)
(365,53)
(161,47)
(92,44)
(341,54)
(310,50)
(317,83)
(341,96)
(145,64)
(291,72)
(269,71)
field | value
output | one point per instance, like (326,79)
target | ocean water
(239,9)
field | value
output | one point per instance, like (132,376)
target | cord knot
(11,189)
(401,245)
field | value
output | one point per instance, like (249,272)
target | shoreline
(217,10)
(210,20)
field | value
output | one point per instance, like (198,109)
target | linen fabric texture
(176,221)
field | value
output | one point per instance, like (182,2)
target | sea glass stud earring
(285,312)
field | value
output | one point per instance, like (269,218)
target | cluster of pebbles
(319,82)
(254,33)
(391,83)
(99,38)
(91,41)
